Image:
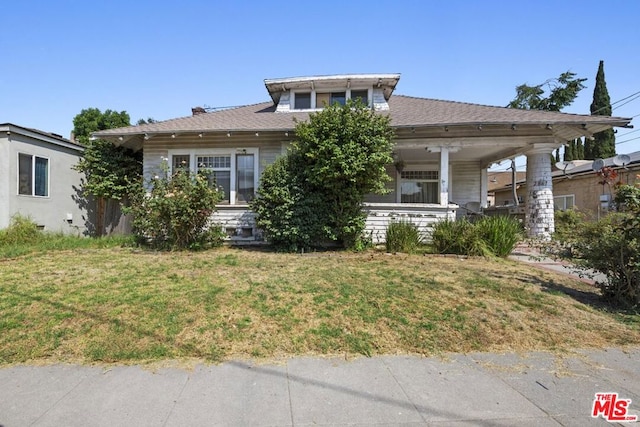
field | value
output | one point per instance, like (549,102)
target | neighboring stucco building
(444,148)
(580,187)
(36,179)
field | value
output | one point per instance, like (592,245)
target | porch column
(539,209)
(484,187)
(444,176)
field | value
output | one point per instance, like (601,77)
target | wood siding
(465,185)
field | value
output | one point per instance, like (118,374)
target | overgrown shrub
(612,246)
(402,236)
(176,213)
(458,237)
(314,196)
(284,212)
(491,235)
(567,223)
(500,233)
(21,230)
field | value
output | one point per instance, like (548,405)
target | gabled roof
(405,112)
(52,138)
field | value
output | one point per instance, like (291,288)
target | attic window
(317,99)
(327,99)
(302,101)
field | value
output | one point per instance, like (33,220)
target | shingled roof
(405,111)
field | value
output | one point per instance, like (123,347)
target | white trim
(314,92)
(33,175)
(565,197)
(231,152)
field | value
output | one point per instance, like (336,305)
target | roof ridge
(472,104)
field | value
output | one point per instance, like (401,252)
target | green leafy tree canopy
(111,172)
(552,95)
(315,194)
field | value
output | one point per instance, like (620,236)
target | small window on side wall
(33,175)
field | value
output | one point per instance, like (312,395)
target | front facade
(442,148)
(36,180)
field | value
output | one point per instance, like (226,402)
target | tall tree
(569,151)
(111,173)
(603,144)
(562,91)
(580,149)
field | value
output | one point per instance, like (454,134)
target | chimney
(198,110)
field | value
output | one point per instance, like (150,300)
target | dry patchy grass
(124,306)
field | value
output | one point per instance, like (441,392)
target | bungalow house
(579,186)
(36,179)
(442,148)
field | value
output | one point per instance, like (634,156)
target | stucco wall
(62,210)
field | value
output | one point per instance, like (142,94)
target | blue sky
(158,59)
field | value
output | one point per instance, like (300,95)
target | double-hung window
(33,175)
(419,186)
(218,170)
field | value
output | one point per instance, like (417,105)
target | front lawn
(126,305)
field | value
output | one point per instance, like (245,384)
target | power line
(625,134)
(636,94)
(627,140)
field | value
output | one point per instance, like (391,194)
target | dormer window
(315,92)
(317,99)
(328,99)
(302,101)
(360,94)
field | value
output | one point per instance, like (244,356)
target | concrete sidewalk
(537,389)
(524,253)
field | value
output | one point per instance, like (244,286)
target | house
(579,186)
(498,180)
(444,147)
(36,179)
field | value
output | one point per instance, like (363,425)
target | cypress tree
(569,150)
(603,145)
(580,155)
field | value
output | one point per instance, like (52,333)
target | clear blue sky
(158,59)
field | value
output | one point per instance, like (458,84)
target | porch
(239,223)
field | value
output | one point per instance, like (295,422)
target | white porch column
(539,210)
(444,176)
(484,187)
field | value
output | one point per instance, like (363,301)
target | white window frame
(314,92)
(219,152)
(564,198)
(33,175)
(417,168)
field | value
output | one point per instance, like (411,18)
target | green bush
(612,246)
(567,223)
(402,236)
(313,197)
(176,213)
(491,235)
(500,233)
(458,237)
(21,230)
